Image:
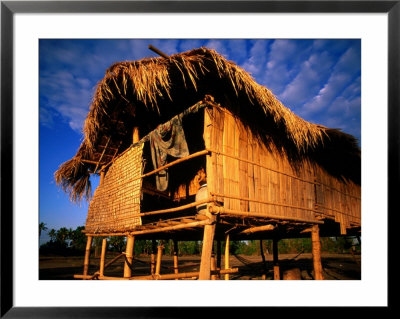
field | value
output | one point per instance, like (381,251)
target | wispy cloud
(318,79)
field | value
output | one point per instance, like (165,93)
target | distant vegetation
(69,242)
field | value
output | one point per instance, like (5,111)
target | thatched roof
(150,91)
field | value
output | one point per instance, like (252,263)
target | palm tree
(42,227)
(53,234)
(62,235)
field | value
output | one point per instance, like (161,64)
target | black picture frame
(9,8)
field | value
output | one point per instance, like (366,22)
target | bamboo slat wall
(243,175)
(116,202)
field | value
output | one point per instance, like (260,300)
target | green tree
(117,243)
(78,238)
(42,227)
(62,236)
(52,234)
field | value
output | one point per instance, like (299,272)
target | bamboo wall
(243,175)
(116,202)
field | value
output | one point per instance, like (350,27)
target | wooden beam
(160,277)
(225,211)
(102,154)
(183,159)
(159,52)
(258,229)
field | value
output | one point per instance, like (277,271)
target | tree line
(68,241)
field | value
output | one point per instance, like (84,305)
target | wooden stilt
(87,255)
(130,243)
(219,257)
(316,252)
(103,256)
(218,254)
(176,267)
(205,264)
(153,257)
(227,255)
(264,275)
(277,275)
(213,266)
(159,256)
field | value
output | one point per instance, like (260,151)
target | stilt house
(190,147)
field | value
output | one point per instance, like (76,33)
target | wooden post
(208,239)
(102,174)
(316,252)
(176,269)
(218,254)
(219,257)
(130,240)
(103,256)
(264,275)
(87,255)
(213,266)
(227,255)
(153,257)
(277,275)
(130,243)
(159,256)
(135,135)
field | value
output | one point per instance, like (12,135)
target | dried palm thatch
(147,92)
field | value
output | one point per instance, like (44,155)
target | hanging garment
(167,139)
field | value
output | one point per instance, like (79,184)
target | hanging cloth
(167,139)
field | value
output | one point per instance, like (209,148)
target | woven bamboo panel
(116,203)
(339,200)
(244,175)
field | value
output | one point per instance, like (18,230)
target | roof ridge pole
(159,52)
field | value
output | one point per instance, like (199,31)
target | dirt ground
(335,266)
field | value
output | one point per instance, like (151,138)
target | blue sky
(318,79)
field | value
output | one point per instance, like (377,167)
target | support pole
(213,265)
(219,257)
(208,239)
(159,256)
(316,252)
(227,255)
(130,243)
(153,256)
(176,269)
(87,255)
(218,254)
(103,256)
(130,240)
(277,275)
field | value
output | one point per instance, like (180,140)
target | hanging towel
(167,139)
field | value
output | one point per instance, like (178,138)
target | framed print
(61,59)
